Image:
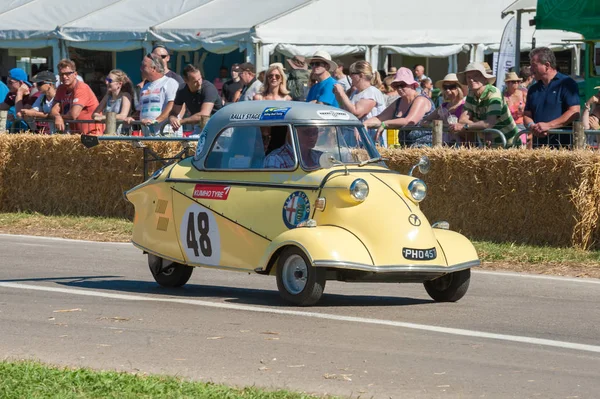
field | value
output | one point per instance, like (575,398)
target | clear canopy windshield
(347,144)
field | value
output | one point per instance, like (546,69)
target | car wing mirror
(327,161)
(424,165)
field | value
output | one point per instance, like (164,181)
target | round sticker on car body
(199,235)
(296,209)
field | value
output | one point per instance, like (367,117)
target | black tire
(450,287)
(305,286)
(173,275)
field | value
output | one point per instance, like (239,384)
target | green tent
(580,16)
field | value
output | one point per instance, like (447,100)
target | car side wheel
(297,280)
(450,287)
(169,275)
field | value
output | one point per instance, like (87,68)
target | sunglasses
(66,73)
(40,84)
(317,64)
(449,87)
(12,81)
(276,77)
(400,86)
(108,80)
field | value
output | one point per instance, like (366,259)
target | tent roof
(125,19)
(221,21)
(39,18)
(384,22)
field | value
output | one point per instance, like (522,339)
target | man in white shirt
(157,95)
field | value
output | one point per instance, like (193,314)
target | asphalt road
(96,305)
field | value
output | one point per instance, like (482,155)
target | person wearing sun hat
(451,108)
(409,109)
(322,91)
(484,107)
(515,99)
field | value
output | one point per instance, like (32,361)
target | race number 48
(200,236)
(201,226)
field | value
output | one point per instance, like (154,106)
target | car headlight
(418,190)
(359,190)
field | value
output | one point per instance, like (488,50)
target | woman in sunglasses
(451,109)
(408,110)
(118,98)
(366,100)
(275,87)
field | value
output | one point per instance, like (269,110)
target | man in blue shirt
(552,102)
(322,92)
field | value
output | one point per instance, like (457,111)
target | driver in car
(283,157)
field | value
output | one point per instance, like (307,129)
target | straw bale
(514,195)
(58,175)
(536,197)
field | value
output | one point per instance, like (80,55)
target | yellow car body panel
(329,243)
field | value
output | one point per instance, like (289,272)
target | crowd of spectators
(537,99)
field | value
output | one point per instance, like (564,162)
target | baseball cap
(44,76)
(19,74)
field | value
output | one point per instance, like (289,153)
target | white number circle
(199,235)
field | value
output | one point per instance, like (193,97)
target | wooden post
(3,118)
(111,124)
(438,127)
(578,136)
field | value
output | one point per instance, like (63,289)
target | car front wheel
(169,274)
(297,280)
(450,287)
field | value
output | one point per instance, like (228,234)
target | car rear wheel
(167,273)
(450,287)
(297,280)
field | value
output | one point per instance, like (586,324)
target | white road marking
(540,276)
(64,239)
(248,308)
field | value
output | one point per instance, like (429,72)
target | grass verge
(495,256)
(34,380)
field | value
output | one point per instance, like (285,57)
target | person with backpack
(297,83)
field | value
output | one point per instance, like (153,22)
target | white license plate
(419,254)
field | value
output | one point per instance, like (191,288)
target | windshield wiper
(372,160)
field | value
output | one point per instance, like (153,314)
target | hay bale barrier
(540,197)
(58,175)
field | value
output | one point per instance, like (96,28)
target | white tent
(221,25)
(32,24)
(123,25)
(437,29)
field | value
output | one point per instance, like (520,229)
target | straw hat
(392,71)
(405,75)
(475,66)
(451,78)
(297,62)
(512,77)
(323,56)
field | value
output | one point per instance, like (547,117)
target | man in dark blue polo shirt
(552,102)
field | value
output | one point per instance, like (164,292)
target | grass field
(495,256)
(32,380)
